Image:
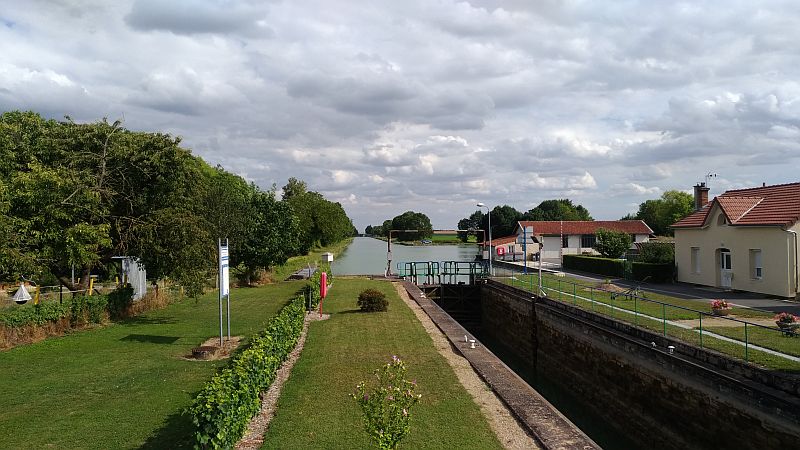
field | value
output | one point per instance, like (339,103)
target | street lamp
(488,213)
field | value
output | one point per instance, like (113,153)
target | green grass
(123,385)
(296,263)
(568,290)
(314,410)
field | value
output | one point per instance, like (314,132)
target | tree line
(409,220)
(76,195)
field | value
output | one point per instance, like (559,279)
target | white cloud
(390,106)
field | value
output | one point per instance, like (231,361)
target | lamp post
(488,213)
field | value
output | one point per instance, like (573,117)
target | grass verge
(124,385)
(314,410)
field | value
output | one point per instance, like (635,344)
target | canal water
(367,256)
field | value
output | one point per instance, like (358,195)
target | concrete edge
(541,419)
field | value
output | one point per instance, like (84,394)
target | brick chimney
(700,195)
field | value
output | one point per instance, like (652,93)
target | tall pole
(525,249)
(389,255)
(489,213)
(228,297)
(219,252)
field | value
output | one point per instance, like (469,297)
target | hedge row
(225,405)
(80,309)
(640,271)
(653,272)
(595,264)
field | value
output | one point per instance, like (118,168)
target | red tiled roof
(556,227)
(777,205)
(503,240)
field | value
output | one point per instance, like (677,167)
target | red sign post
(323,290)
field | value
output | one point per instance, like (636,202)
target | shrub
(387,403)
(656,252)
(225,405)
(370,300)
(88,309)
(594,264)
(120,301)
(655,272)
(34,314)
(612,244)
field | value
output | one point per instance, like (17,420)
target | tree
(612,244)
(386,227)
(659,214)
(293,188)
(411,220)
(272,236)
(656,252)
(473,222)
(368,230)
(562,209)
(504,221)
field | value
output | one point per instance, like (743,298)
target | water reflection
(367,256)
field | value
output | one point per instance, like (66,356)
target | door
(725,269)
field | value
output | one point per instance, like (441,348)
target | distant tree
(659,214)
(504,221)
(473,222)
(368,230)
(386,227)
(611,244)
(562,209)
(411,220)
(272,234)
(293,188)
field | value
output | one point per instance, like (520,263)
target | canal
(367,256)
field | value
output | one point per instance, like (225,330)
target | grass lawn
(314,410)
(575,292)
(123,385)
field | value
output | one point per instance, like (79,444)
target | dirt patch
(254,436)
(228,347)
(610,287)
(504,425)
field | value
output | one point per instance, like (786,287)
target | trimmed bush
(34,314)
(370,300)
(225,405)
(654,272)
(594,264)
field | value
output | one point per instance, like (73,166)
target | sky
(432,105)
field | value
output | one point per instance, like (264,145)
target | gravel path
(504,425)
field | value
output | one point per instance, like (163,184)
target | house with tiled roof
(566,237)
(744,239)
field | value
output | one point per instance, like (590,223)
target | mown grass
(314,410)
(126,384)
(569,290)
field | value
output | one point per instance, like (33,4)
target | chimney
(700,195)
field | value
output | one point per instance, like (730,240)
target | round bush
(372,300)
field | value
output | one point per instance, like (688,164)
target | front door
(725,269)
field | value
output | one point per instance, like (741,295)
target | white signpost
(224,286)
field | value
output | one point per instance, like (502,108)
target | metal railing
(754,342)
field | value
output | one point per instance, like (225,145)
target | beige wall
(777,256)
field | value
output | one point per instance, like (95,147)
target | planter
(788,326)
(720,311)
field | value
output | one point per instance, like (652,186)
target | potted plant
(720,307)
(787,321)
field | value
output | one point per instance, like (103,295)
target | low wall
(694,398)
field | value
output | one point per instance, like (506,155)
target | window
(633,238)
(695,259)
(565,241)
(721,219)
(756,270)
(587,240)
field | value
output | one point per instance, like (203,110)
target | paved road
(702,294)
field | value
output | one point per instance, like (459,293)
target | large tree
(473,222)
(562,209)
(504,221)
(411,220)
(659,214)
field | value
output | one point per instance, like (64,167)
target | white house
(566,237)
(744,239)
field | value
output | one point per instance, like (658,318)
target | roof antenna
(710,175)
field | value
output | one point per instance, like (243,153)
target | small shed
(327,257)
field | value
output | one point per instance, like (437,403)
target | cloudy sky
(431,105)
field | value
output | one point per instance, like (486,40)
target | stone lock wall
(659,400)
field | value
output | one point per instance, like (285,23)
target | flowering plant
(719,304)
(387,404)
(785,317)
